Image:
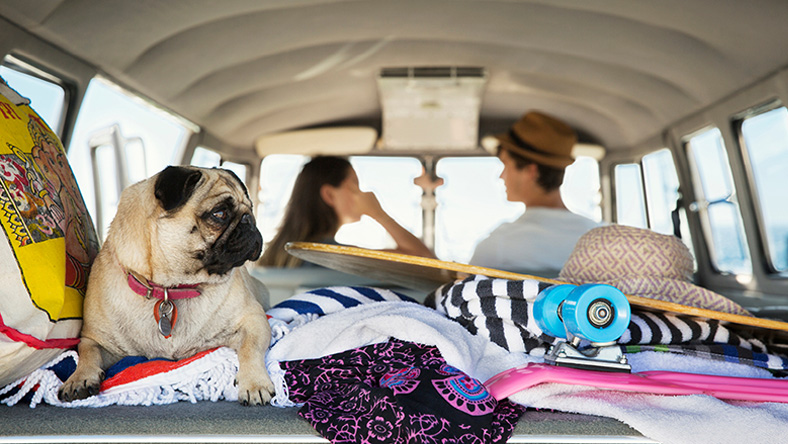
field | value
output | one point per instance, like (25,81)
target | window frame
(616,201)
(23,65)
(701,204)
(754,202)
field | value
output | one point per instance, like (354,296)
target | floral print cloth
(397,392)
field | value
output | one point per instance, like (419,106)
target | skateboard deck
(511,381)
(425,274)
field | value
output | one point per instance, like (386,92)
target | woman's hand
(367,203)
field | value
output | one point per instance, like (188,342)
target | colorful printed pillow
(48,242)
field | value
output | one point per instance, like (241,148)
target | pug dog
(170,281)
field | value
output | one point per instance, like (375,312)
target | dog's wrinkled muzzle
(240,242)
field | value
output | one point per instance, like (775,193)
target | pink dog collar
(146,288)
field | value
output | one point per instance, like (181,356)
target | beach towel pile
(345,334)
(502,311)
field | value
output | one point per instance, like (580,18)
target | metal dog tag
(165,326)
(164,312)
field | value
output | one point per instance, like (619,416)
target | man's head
(541,139)
(535,151)
(537,147)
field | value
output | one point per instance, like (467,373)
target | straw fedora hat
(643,263)
(542,139)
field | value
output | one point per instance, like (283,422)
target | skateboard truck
(597,313)
(601,357)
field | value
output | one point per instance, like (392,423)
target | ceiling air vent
(431,108)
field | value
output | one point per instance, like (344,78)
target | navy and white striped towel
(304,307)
(502,311)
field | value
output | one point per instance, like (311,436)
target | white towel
(668,419)
(373,323)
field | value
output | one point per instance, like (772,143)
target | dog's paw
(257,391)
(80,388)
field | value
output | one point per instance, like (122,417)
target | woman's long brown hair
(307,217)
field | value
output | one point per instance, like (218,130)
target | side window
(581,189)
(207,158)
(119,139)
(766,141)
(46,97)
(654,207)
(717,204)
(204,157)
(662,190)
(238,168)
(278,173)
(630,200)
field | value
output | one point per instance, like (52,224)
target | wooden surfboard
(425,274)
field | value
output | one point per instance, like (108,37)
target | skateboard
(425,274)
(511,381)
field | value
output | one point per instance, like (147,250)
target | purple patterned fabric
(397,392)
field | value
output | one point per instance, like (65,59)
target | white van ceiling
(618,70)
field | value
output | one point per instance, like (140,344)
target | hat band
(527,146)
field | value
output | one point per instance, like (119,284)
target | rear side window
(765,137)
(47,98)
(207,158)
(717,203)
(630,200)
(662,190)
(118,140)
(647,195)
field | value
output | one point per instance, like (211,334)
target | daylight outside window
(630,202)
(717,203)
(390,178)
(766,141)
(46,98)
(139,127)
(662,194)
(662,189)
(471,203)
(581,190)
(208,158)
(205,158)
(277,176)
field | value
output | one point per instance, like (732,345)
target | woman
(326,196)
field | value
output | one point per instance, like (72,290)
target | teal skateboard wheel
(547,309)
(596,312)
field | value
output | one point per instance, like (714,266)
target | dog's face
(210,214)
(188,224)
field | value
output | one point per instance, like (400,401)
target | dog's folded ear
(174,186)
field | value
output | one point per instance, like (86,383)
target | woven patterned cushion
(48,242)
(643,263)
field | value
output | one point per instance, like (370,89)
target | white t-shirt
(540,240)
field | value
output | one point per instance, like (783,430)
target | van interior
(679,107)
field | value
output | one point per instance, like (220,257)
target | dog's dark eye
(219,215)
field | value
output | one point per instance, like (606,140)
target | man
(534,152)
